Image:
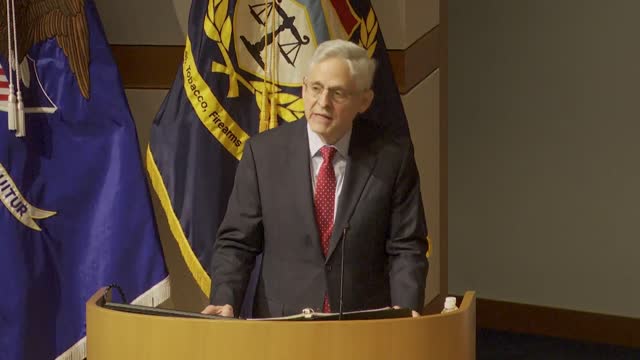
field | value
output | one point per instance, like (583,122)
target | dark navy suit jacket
(270,211)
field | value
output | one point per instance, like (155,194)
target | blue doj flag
(242,72)
(75,212)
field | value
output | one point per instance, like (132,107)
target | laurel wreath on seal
(369,32)
(270,98)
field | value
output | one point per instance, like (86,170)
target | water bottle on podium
(449,305)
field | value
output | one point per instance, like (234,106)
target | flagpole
(20,126)
(11,101)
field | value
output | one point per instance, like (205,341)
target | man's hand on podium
(222,310)
(413,312)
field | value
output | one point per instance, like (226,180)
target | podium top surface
(117,334)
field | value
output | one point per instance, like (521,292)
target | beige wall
(403,22)
(148,22)
(543,141)
(167,26)
(422,105)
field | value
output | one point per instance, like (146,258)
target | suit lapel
(301,188)
(360,164)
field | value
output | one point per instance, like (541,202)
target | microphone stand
(344,239)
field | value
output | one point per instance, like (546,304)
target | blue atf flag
(242,72)
(75,211)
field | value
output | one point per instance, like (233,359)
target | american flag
(4,87)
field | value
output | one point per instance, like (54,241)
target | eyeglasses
(337,95)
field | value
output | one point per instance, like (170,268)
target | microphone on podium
(344,239)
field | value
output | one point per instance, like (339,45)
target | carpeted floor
(498,345)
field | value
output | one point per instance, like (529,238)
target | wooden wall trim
(561,323)
(155,66)
(413,64)
(147,66)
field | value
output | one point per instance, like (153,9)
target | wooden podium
(121,335)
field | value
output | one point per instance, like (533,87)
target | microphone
(344,239)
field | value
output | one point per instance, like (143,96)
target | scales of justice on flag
(278,38)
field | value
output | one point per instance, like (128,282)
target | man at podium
(306,190)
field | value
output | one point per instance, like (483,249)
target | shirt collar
(316,142)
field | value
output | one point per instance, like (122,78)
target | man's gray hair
(361,66)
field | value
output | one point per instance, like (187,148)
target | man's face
(332,99)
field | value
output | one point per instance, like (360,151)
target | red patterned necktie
(324,201)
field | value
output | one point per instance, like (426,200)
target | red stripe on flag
(4,98)
(344,13)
